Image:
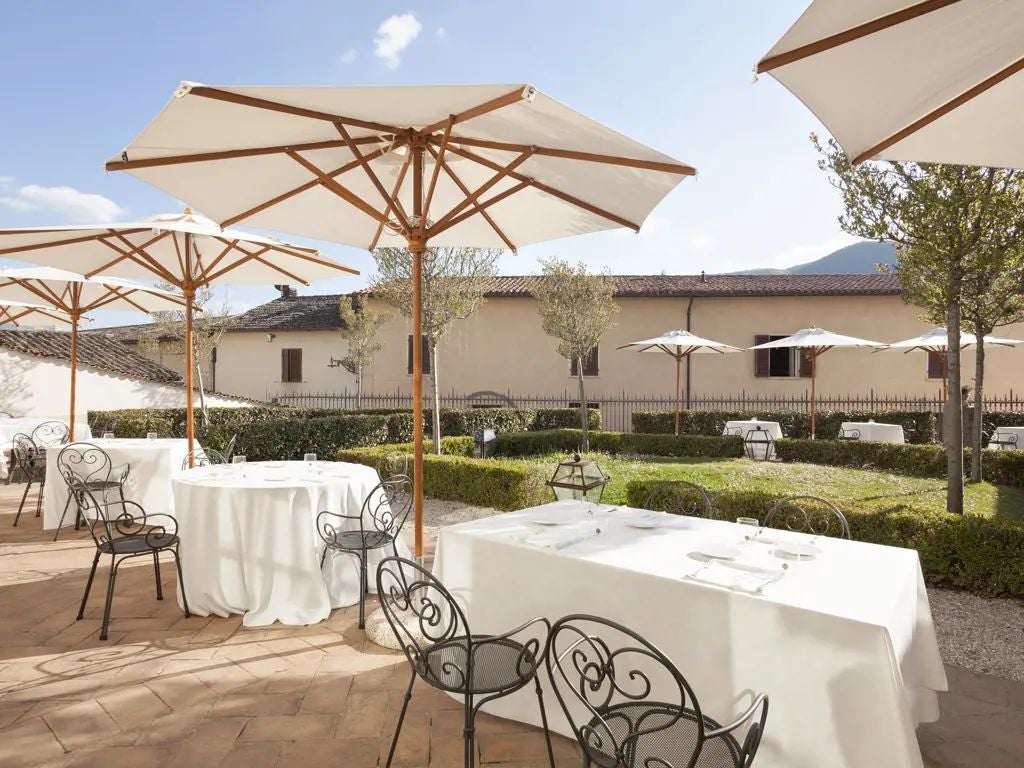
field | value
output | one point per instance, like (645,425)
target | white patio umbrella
(936,341)
(937,81)
(184,250)
(74,295)
(407,166)
(23,313)
(680,345)
(816,342)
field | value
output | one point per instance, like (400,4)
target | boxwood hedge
(617,443)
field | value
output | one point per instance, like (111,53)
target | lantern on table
(578,479)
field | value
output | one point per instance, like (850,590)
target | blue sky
(79,80)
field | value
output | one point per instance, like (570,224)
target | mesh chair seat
(134,545)
(100,485)
(669,743)
(498,665)
(357,540)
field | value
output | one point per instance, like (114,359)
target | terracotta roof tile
(292,313)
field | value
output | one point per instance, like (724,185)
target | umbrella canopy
(23,313)
(406,166)
(185,250)
(936,341)
(679,345)
(75,294)
(816,342)
(935,81)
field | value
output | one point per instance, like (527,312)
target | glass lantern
(578,479)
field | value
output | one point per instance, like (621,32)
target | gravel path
(980,634)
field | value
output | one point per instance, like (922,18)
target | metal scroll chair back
(388,505)
(808,514)
(629,705)
(1003,441)
(50,434)
(392,464)
(202,457)
(680,498)
(849,434)
(83,464)
(28,457)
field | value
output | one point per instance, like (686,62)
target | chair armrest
(324,526)
(758,703)
(120,472)
(134,521)
(542,642)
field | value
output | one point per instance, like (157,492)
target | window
(291,365)
(426,356)
(780,363)
(936,365)
(590,364)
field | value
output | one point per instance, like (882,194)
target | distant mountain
(855,259)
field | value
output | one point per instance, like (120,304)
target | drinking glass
(309,458)
(108,435)
(151,435)
(238,459)
(750,522)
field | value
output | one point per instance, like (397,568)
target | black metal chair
(759,436)
(392,464)
(808,514)
(50,434)
(1003,441)
(28,459)
(630,707)
(848,434)
(380,523)
(125,535)
(680,498)
(88,466)
(443,652)
(203,457)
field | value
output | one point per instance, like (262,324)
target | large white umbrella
(680,345)
(937,81)
(407,166)
(815,342)
(75,295)
(184,250)
(23,313)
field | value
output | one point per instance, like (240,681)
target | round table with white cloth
(249,542)
(874,431)
(152,464)
(24,426)
(748,430)
(1005,444)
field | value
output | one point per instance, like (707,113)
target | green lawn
(868,488)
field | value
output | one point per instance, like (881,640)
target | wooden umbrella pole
(814,377)
(417,246)
(679,361)
(74,369)
(189,292)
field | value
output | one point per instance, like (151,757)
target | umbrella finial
(188,211)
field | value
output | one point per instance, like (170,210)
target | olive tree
(360,326)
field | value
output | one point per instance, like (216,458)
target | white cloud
(79,207)
(6,182)
(348,56)
(393,36)
(439,32)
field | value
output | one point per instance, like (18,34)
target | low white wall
(37,386)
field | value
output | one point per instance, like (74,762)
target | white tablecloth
(152,462)
(754,450)
(843,644)
(11,427)
(249,542)
(875,431)
(1018,431)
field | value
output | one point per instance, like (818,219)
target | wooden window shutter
(762,357)
(284,365)
(806,363)
(291,365)
(936,365)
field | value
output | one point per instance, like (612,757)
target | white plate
(798,548)
(548,520)
(719,551)
(274,464)
(644,522)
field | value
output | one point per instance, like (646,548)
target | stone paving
(170,691)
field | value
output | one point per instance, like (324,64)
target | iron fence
(617,410)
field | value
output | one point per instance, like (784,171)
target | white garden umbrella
(407,166)
(184,250)
(937,81)
(23,313)
(680,345)
(815,342)
(74,295)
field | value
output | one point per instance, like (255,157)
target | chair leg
(88,585)
(323,558)
(156,571)
(60,523)
(401,717)
(23,497)
(181,583)
(469,733)
(544,718)
(120,491)
(362,591)
(39,498)
(110,598)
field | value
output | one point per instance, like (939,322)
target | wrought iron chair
(808,514)
(380,523)
(50,434)
(31,462)
(203,457)
(849,434)
(392,464)
(443,652)
(680,498)
(1003,441)
(125,535)
(89,466)
(759,436)
(630,707)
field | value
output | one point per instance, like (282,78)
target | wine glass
(151,435)
(108,435)
(239,459)
(750,522)
(310,459)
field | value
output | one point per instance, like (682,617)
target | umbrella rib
(854,33)
(374,179)
(282,270)
(275,106)
(314,259)
(480,207)
(513,97)
(343,192)
(135,253)
(394,198)
(465,190)
(938,112)
(501,173)
(571,154)
(438,162)
(249,256)
(56,243)
(181,259)
(205,271)
(565,196)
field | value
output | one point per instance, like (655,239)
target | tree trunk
(359,387)
(202,395)
(436,417)
(953,425)
(585,446)
(977,425)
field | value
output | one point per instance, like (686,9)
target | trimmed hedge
(288,439)
(983,555)
(999,467)
(569,440)
(794,424)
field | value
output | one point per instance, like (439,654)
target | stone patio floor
(169,691)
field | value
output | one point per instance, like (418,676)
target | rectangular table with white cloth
(842,643)
(745,428)
(24,426)
(249,542)
(874,431)
(1008,445)
(152,464)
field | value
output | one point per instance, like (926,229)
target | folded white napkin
(749,580)
(560,539)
